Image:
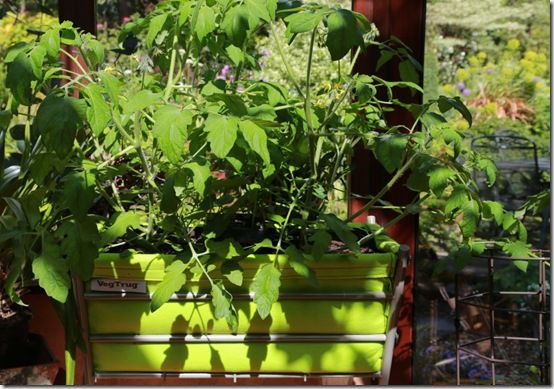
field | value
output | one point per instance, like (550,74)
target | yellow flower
(482,55)
(507,72)
(474,61)
(526,64)
(462,74)
(326,85)
(449,89)
(109,69)
(513,44)
(528,77)
(490,108)
(531,55)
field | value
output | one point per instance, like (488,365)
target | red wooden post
(404,19)
(83,15)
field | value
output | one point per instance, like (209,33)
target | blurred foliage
(496,61)
(17,27)
(495,55)
(323,70)
(510,91)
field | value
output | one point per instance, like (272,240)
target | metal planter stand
(488,302)
(388,338)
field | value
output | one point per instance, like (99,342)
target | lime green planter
(338,327)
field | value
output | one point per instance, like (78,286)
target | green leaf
(112,84)
(185,10)
(342,230)
(119,225)
(223,307)
(170,129)
(98,112)
(19,77)
(36,55)
(477,247)
(297,261)
(266,288)
(263,9)
(236,25)
(50,40)
(432,119)
(141,100)
(445,132)
(156,25)
(462,256)
(471,217)
(5,119)
(93,50)
(51,270)
(256,138)
(418,181)
(200,175)
(518,249)
(386,56)
(343,33)
(266,243)
(408,72)
(303,21)
(492,209)
(233,272)
(236,54)
(225,249)
(438,179)
(79,244)
(173,281)
(446,103)
(490,169)
(78,193)
(170,201)
(321,240)
(220,301)
(222,134)
(535,203)
(234,103)
(457,199)
(58,118)
(390,150)
(509,222)
(205,23)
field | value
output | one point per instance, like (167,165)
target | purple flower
(536,79)
(489,70)
(225,70)
(466,92)
(461,85)
(448,354)
(473,374)
(266,52)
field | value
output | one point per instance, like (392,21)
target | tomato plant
(172,157)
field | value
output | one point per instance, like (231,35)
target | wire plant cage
(502,320)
